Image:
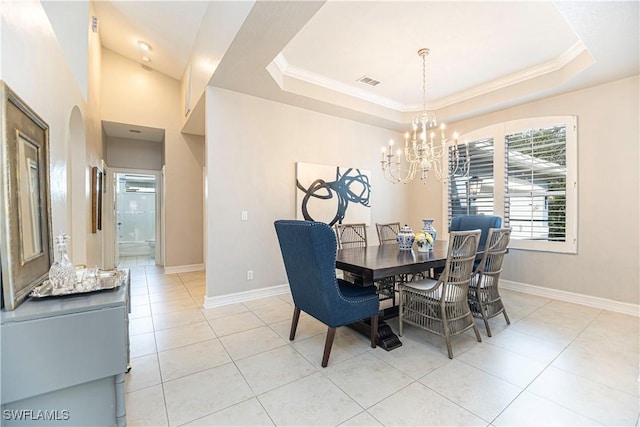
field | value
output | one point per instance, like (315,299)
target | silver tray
(108,279)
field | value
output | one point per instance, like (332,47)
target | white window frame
(498,132)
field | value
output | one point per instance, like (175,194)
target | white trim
(184,268)
(238,297)
(287,70)
(512,79)
(588,300)
(293,72)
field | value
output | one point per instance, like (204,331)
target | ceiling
(484,55)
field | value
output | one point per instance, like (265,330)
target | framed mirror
(26,252)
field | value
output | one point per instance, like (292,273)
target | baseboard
(591,301)
(183,268)
(219,301)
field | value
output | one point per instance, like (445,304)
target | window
(524,171)
(473,194)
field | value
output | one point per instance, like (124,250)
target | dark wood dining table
(378,262)
(374,263)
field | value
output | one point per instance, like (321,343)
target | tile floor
(136,261)
(556,364)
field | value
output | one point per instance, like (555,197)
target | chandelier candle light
(421,153)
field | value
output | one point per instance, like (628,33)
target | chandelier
(421,152)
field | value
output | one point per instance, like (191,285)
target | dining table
(373,263)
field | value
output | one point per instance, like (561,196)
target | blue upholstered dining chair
(309,254)
(476,222)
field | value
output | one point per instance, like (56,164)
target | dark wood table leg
(387,339)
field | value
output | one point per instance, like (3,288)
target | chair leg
(475,329)
(331,333)
(504,311)
(447,336)
(374,331)
(400,296)
(294,323)
(449,350)
(486,325)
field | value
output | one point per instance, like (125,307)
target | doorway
(136,219)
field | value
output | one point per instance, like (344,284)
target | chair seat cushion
(349,290)
(422,285)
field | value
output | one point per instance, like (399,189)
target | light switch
(245,215)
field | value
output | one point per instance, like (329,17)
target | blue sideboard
(63,360)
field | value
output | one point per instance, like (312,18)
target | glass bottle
(62,274)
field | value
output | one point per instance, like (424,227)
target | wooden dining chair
(484,298)
(441,306)
(355,236)
(388,233)
(351,235)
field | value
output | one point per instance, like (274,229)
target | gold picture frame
(26,249)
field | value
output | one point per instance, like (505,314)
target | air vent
(368,81)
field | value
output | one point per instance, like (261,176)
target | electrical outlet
(244,215)
(249,274)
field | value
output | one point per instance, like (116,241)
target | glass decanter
(62,274)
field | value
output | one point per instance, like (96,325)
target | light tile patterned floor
(556,364)
(136,261)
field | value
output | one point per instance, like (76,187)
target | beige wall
(29,46)
(133,153)
(94,152)
(131,94)
(607,261)
(252,148)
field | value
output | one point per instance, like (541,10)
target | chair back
(476,222)
(490,267)
(351,235)
(388,233)
(463,246)
(309,253)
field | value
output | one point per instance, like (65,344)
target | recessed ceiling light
(144,45)
(145,58)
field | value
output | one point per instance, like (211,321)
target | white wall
(252,147)
(34,66)
(220,23)
(607,262)
(131,94)
(69,20)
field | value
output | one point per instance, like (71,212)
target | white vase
(423,248)
(428,228)
(405,238)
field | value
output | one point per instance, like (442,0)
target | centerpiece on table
(424,241)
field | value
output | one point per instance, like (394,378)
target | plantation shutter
(536,184)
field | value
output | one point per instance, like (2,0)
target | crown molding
(286,70)
(293,72)
(521,76)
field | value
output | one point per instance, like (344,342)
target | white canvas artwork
(333,194)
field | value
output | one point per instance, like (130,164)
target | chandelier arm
(420,153)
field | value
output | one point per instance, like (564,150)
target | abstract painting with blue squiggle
(333,194)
